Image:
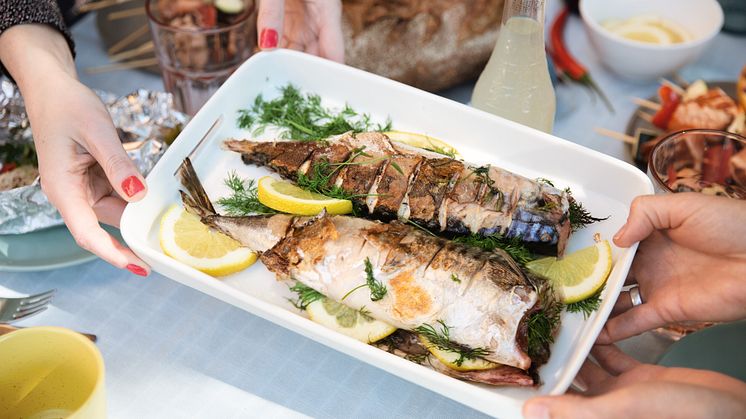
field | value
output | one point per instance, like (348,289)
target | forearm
(36,55)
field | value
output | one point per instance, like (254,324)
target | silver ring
(634,295)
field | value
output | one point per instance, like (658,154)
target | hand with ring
(618,386)
(690,266)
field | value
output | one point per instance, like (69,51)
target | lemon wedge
(451,358)
(348,321)
(286,197)
(578,275)
(422,141)
(184,238)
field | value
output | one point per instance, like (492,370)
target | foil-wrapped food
(146,123)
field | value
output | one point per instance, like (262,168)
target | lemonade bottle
(515,84)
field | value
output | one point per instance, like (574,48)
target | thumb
(647,214)
(269,21)
(103,144)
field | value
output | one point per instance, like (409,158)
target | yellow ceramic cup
(50,372)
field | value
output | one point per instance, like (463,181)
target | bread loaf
(430,44)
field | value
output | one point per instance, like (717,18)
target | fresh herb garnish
(545,181)
(319,177)
(579,216)
(244,199)
(587,306)
(303,117)
(441,150)
(455,278)
(441,339)
(417,358)
(377,289)
(19,153)
(543,323)
(306,295)
(513,246)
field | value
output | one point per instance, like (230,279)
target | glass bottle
(515,84)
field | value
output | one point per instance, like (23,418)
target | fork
(15,309)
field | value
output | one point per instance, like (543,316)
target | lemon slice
(450,358)
(578,275)
(422,141)
(184,238)
(651,34)
(286,197)
(348,321)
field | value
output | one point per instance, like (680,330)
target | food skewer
(122,43)
(676,88)
(102,4)
(124,14)
(134,52)
(645,116)
(616,135)
(649,104)
(145,62)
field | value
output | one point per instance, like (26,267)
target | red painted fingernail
(268,38)
(132,186)
(137,270)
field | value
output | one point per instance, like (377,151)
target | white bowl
(640,61)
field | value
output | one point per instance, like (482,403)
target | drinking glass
(712,162)
(197,50)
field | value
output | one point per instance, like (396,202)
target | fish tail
(195,198)
(239,146)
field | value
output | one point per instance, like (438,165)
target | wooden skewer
(680,80)
(678,89)
(122,43)
(124,14)
(645,116)
(646,103)
(134,52)
(102,4)
(145,62)
(616,135)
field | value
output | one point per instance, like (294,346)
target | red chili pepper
(565,61)
(7,167)
(208,16)
(670,100)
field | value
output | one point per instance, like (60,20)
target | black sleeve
(16,12)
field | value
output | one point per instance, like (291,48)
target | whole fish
(389,180)
(397,273)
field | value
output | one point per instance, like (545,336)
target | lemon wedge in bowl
(286,197)
(348,321)
(183,237)
(578,275)
(422,141)
(454,359)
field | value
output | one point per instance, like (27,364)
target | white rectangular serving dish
(605,186)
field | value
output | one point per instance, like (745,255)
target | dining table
(173,352)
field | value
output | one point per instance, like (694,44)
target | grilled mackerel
(388,181)
(483,297)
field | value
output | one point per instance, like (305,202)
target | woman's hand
(84,170)
(313,26)
(690,266)
(621,387)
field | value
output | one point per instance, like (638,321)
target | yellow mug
(50,373)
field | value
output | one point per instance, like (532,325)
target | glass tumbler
(711,162)
(198,46)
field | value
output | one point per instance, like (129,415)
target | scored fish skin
(443,194)
(481,296)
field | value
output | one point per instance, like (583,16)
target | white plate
(606,186)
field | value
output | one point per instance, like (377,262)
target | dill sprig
(306,295)
(441,339)
(455,278)
(587,306)
(377,289)
(303,117)
(513,246)
(579,216)
(319,178)
(417,226)
(543,323)
(244,199)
